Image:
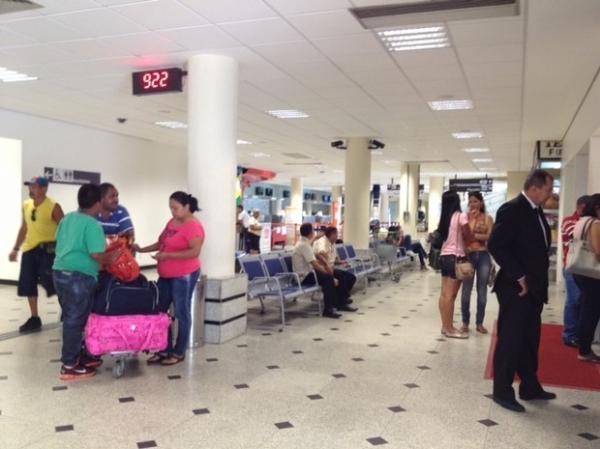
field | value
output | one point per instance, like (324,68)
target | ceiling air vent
(295,155)
(8,6)
(435,11)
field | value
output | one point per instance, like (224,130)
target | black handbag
(115,297)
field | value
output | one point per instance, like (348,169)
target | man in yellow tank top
(37,236)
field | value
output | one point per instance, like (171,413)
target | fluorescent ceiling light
(260,155)
(488,169)
(450,105)
(243,142)
(482,160)
(414,38)
(377,152)
(288,113)
(467,135)
(476,150)
(12,76)
(172,125)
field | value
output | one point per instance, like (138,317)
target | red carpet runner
(559,366)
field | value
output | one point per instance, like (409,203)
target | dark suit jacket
(517,244)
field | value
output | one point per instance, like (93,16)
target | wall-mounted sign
(157,81)
(69,176)
(393,187)
(472,185)
(549,150)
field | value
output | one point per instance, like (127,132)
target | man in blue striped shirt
(114,218)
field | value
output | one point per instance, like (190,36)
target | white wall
(10,180)
(144,172)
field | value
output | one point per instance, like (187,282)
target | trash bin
(198,305)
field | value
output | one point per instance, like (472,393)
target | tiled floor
(380,378)
(14,311)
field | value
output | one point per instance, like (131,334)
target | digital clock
(157,81)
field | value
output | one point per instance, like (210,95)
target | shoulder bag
(464,268)
(581,258)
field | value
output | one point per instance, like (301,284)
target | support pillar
(434,207)
(212,84)
(384,207)
(293,213)
(409,197)
(515,181)
(357,189)
(593,178)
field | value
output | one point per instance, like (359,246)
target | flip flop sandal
(156,359)
(172,360)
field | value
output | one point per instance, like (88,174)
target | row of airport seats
(271,276)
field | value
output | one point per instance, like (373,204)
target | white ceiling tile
(487,32)
(264,31)
(201,38)
(482,54)
(326,24)
(379,78)
(43,30)
(429,58)
(143,43)
(355,44)
(373,62)
(99,22)
(161,15)
(86,49)
(9,38)
(290,7)
(33,55)
(230,10)
(64,6)
(294,52)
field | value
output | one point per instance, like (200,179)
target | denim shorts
(448,266)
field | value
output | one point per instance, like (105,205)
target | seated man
(396,234)
(304,261)
(324,249)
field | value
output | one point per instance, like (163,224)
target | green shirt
(78,237)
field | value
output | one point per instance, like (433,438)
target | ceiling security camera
(376,144)
(339,144)
(121,120)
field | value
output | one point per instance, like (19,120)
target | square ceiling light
(287,113)
(422,38)
(482,160)
(12,76)
(172,125)
(476,150)
(243,142)
(450,105)
(467,135)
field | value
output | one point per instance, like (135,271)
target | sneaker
(592,357)
(76,372)
(33,324)
(89,361)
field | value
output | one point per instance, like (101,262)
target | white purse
(581,258)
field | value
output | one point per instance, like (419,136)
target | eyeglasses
(33,214)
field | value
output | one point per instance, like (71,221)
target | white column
(293,213)
(357,189)
(212,84)
(593,177)
(434,207)
(409,197)
(384,207)
(336,205)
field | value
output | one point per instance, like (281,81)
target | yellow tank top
(43,228)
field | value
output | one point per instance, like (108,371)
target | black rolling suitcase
(115,297)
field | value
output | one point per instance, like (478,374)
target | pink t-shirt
(175,238)
(454,244)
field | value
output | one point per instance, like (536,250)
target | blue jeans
(178,291)
(482,263)
(572,306)
(75,296)
(416,248)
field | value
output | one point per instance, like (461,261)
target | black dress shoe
(348,308)
(349,301)
(331,314)
(571,343)
(540,395)
(509,404)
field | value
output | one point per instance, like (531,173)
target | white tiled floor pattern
(391,344)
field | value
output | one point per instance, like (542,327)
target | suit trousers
(519,331)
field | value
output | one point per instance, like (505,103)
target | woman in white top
(455,231)
(588,227)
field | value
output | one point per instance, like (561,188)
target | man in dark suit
(520,244)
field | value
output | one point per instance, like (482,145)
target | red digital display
(157,81)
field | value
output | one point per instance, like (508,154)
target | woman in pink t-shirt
(178,247)
(454,229)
